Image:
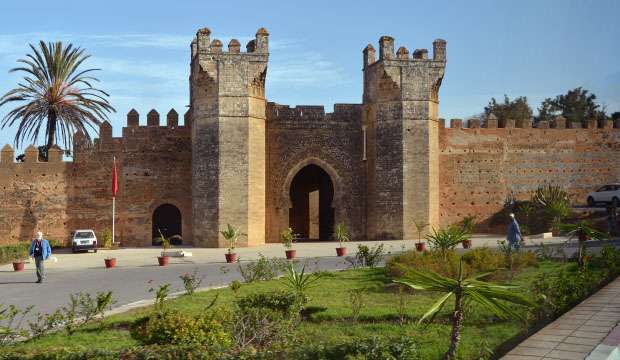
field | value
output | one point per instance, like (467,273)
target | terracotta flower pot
(341,251)
(110,263)
(466,244)
(163,260)
(231,257)
(420,246)
(290,254)
(18,265)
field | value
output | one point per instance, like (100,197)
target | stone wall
(56,197)
(480,167)
(34,196)
(305,135)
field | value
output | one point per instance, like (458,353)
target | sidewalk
(136,257)
(588,331)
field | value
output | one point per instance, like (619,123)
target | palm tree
(446,239)
(491,296)
(55,94)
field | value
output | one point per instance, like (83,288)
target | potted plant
(165,245)
(287,240)
(419,227)
(18,264)
(231,235)
(342,235)
(110,262)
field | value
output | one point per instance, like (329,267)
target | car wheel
(590,201)
(95,251)
(615,202)
(73,250)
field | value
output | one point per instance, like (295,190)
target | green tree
(56,96)
(517,109)
(493,297)
(577,105)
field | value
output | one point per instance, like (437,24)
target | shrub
(11,319)
(280,301)
(106,238)
(369,257)
(356,301)
(397,266)
(474,261)
(191,282)
(261,269)
(9,253)
(373,348)
(175,327)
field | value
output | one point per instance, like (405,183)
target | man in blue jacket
(40,250)
(514,233)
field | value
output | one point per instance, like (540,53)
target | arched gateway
(167,219)
(311,215)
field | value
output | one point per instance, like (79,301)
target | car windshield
(604,188)
(84,235)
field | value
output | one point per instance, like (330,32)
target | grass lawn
(332,322)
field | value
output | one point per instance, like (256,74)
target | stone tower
(227,97)
(400,116)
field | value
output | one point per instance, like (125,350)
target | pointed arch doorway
(312,193)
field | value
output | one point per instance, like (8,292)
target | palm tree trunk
(51,128)
(457,322)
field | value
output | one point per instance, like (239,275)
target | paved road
(128,284)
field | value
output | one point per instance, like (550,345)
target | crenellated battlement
(202,44)
(313,113)
(31,156)
(401,56)
(558,123)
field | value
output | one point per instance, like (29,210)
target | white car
(606,194)
(84,240)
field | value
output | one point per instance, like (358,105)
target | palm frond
(56,97)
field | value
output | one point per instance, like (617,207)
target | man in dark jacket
(40,250)
(514,233)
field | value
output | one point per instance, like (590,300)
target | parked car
(606,194)
(84,240)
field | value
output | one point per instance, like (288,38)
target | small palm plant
(583,231)
(299,282)
(446,239)
(56,96)
(165,242)
(419,228)
(493,297)
(231,234)
(341,233)
(557,210)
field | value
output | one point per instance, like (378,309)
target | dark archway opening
(167,219)
(312,214)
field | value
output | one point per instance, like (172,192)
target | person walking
(40,250)
(514,233)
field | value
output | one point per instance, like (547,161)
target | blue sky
(536,49)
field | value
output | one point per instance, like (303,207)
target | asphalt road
(127,284)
